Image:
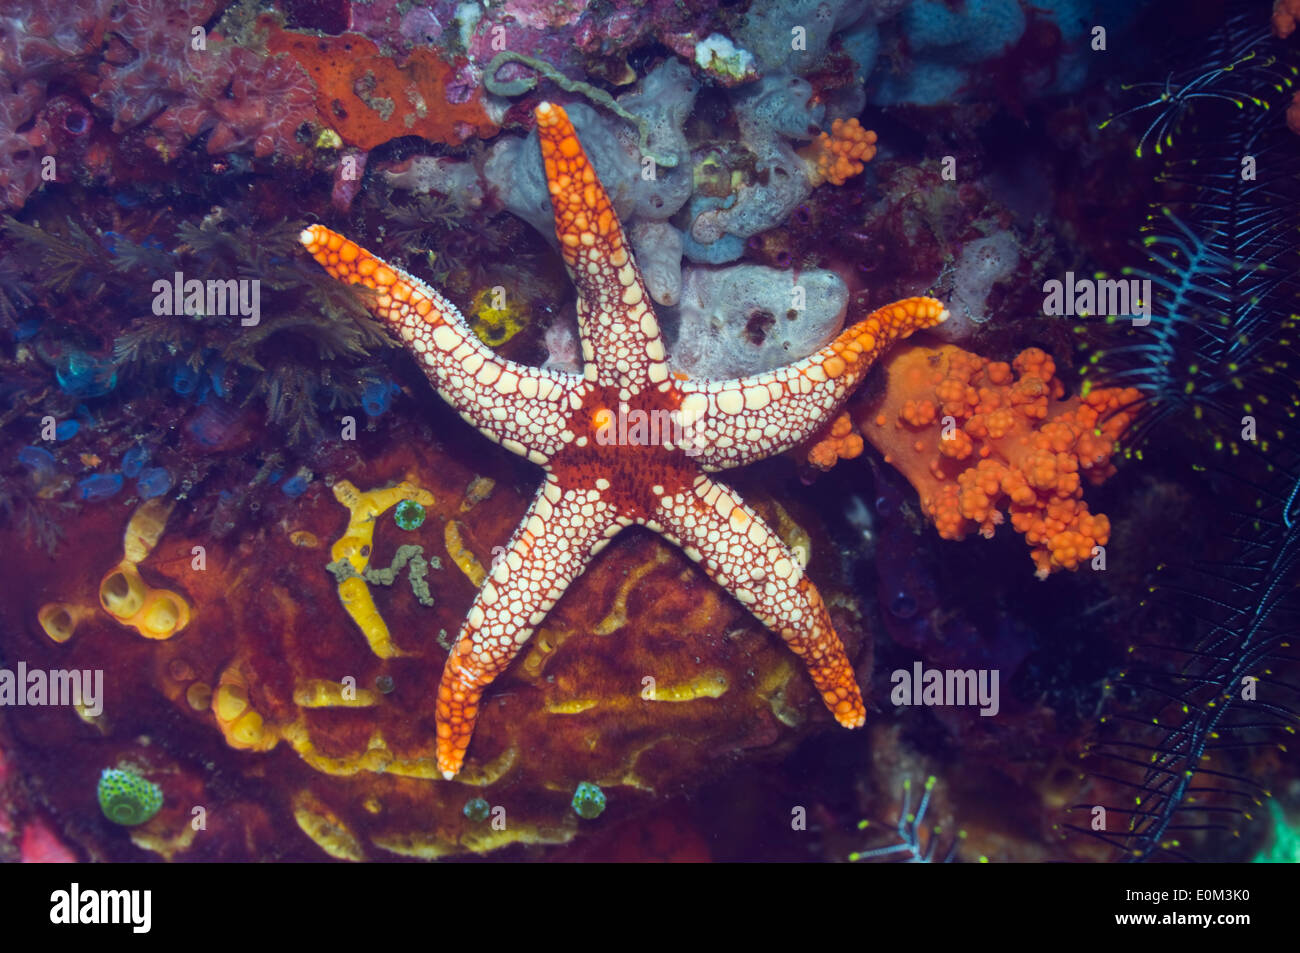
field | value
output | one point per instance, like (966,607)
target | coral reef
(263,529)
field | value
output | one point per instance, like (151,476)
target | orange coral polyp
(842,153)
(1018,447)
(841,443)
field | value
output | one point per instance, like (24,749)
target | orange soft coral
(1286,13)
(841,154)
(982,439)
(841,442)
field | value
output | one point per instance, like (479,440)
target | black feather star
(1212,699)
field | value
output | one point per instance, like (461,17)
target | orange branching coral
(842,442)
(1286,13)
(842,153)
(980,438)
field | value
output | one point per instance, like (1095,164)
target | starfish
(597,480)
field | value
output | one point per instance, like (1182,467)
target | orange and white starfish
(601,476)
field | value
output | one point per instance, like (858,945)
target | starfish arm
(621,343)
(743,555)
(561,532)
(523,408)
(731,423)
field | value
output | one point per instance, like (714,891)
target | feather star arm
(731,423)
(741,553)
(621,343)
(523,408)
(560,534)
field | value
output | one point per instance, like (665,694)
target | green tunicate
(588,801)
(477,810)
(128,799)
(409,515)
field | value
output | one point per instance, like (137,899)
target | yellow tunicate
(146,528)
(60,620)
(460,554)
(122,592)
(573,707)
(366,506)
(154,613)
(617,616)
(230,702)
(495,316)
(360,604)
(326,828)
(247,731)
(356,545)
(199,696)
(164,614)
(711,684)
(243,726)
(480,840)
(305,539)
(355,549)
(322,693)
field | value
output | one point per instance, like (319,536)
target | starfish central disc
(622,443)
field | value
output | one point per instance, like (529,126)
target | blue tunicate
(153,482)
(294,486)
(101,486)
(133,461)
(184,380)
(377,397)
(66,429)
(36,458)
(84,375)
